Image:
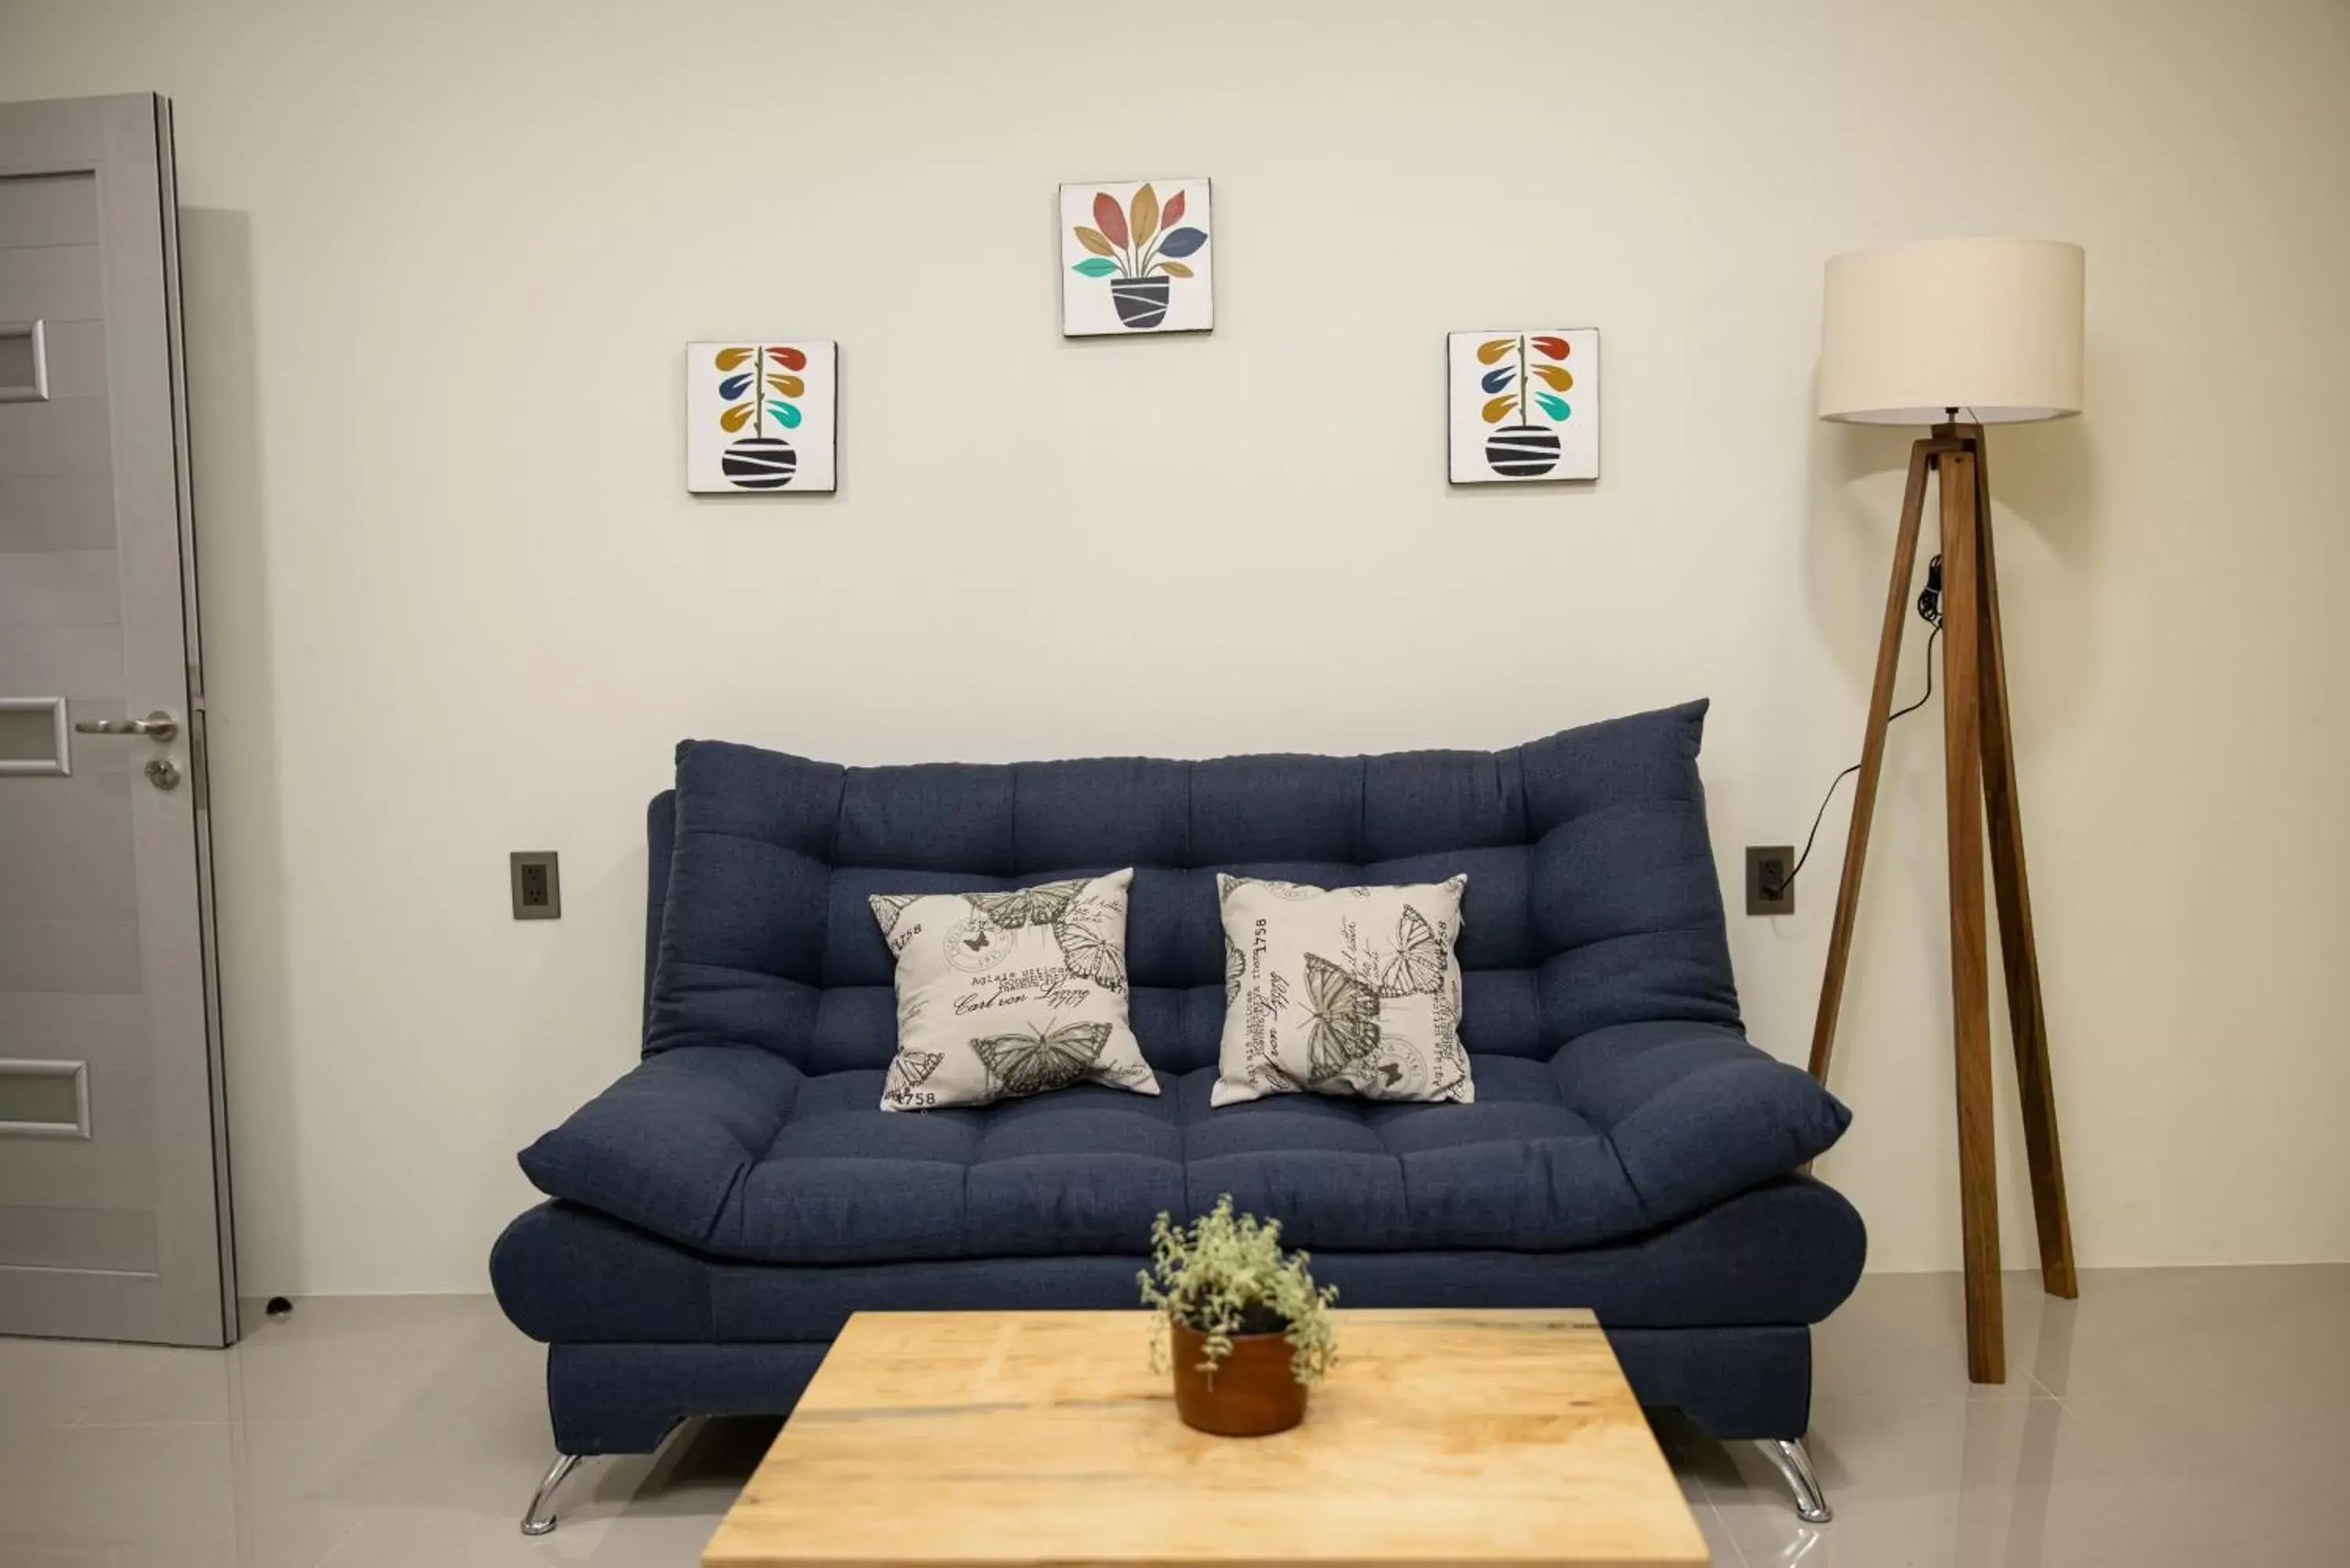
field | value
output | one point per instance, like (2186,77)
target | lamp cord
(1929,610)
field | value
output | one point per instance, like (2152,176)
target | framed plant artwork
(1522,404)
(1136,258)
(760,416)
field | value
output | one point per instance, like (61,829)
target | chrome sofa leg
(1811,1503)
(540,1518)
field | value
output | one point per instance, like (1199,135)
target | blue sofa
(715,1216)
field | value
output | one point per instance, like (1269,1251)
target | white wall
(441,259)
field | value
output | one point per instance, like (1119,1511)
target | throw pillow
(1010,993)
(1346,990)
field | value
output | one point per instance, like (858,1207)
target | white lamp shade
(1991,327)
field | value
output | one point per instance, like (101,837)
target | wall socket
(537,880)
(1768,891)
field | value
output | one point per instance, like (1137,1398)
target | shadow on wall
(2043,482)
(553,1064)
(241,696)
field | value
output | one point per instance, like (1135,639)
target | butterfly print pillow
(1345,990)
(1010,993)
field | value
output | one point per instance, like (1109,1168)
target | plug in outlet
(537,885)
(1768,891)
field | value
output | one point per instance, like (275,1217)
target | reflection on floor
(2168,1417)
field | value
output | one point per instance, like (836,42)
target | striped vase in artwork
(1141,302)
(760,462)
(1523,452)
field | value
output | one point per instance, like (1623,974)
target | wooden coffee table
(955,1440)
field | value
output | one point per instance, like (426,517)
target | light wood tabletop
(981,1439)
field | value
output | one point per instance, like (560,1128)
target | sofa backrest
(1592,895)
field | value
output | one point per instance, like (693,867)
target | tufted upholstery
(1592,898)
(1614,1092)
(739,1154)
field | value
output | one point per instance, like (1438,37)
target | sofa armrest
(1694,1112)
(665,1147)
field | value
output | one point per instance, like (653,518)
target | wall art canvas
(1136,258)
(760,416)
(1524,404)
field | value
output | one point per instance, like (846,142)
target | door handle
(158,726)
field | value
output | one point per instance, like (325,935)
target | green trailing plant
(1224,1274)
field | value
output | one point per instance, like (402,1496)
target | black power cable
(1929,610)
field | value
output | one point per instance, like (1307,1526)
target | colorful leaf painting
(1108,219)
(1134,244)
(764,394)
(760,415)
(1514,412)
(1511,380)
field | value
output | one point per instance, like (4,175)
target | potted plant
(1248,1332)
(1138,250)
(758,390)
(1525,450)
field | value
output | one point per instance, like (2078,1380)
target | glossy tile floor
(2168,1417)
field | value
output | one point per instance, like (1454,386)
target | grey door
(114,1212)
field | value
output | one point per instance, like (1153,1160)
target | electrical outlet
(537,882)
(1768,891)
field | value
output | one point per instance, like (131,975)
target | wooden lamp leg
(1872,757)
(1978,761)
(2018,950)
(1970,981)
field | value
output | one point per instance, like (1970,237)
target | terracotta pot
(1252,1392)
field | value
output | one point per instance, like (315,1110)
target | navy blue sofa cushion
(1615,1092)
(1784,1252)
(738,1154)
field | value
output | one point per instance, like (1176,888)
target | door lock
(163,772)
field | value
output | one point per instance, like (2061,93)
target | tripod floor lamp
(1917,335)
